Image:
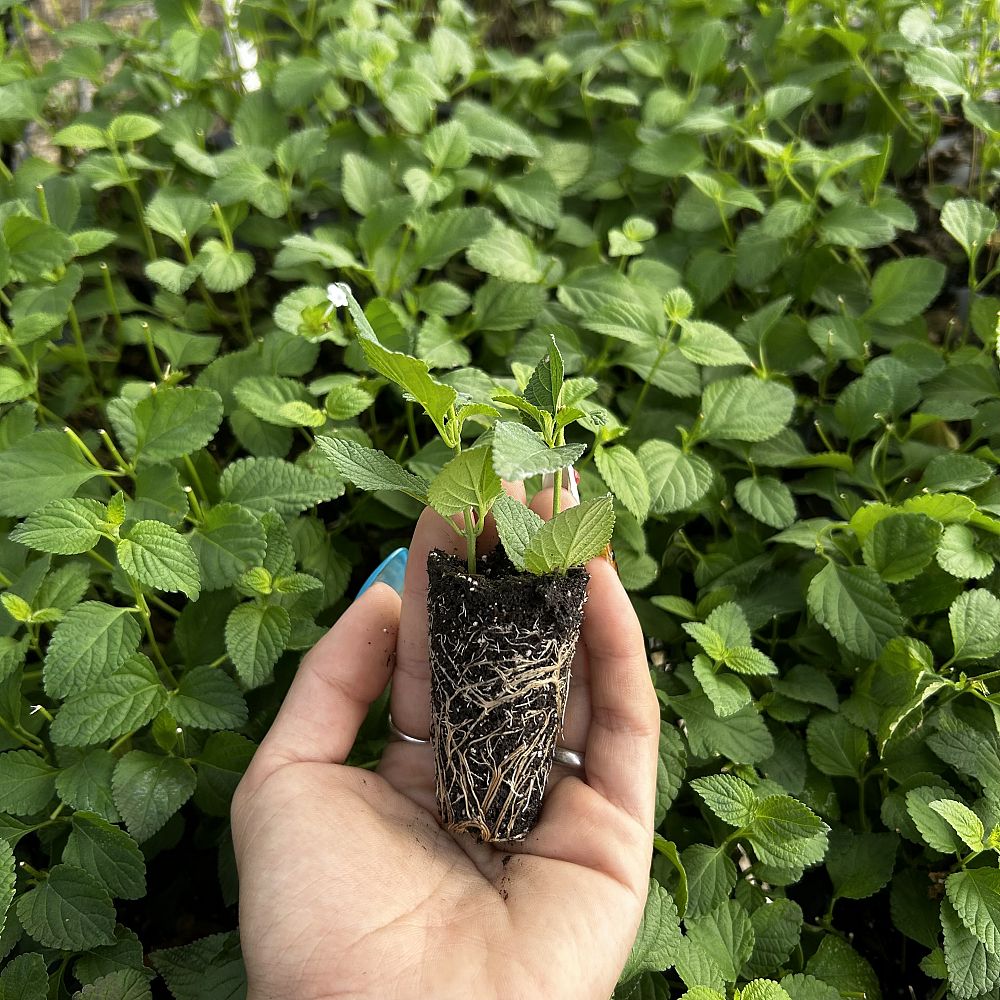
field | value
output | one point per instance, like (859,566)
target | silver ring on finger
(569,758)
(400,735)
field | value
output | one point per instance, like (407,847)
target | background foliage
(764,230)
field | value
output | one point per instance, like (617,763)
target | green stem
(195,478)
(154,361)
(109,289)
(557,492)
(470,541)
(140,214)
(85,451)
(119,459)
(74,323)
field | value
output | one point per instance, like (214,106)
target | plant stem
(154,361)
(470,541)
(557,492)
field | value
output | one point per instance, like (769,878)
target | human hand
(348,885)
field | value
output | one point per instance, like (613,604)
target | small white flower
(337,293)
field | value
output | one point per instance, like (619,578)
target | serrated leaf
(729,797)
(91,641)
(970,223)
(903,289)
(671,763)
(532,196)
(25,977)
(467,480)
(767,499)
(42,466)
(507,254)
(160,558)
(208,698)
(860,864)
(747,660)
(855,607)
(837,747)
(62,527)
(727,694)
(119,703)
(974,617)
(123,984)
(492,134)
(516,526)
(975,895)
(69,910)
(787,833)
(27,783)
(209,967)
(711,877)
(225,270)
(545,387)
(745,409)
(148,789)
(572,537)
(624,475)
(8,878)
(175,421)
(256,635)
(441,235)
(776,930)
(658,937)
(265,483)
(963,821)
(519,452)
(273,398)
(707,344)
(229,540)
(931,826)
(84,781)
(107,852)
(726,934)
(677,481)
(900,546)
(972,970)
(370,469)
(958,555)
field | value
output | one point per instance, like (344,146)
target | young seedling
(502,629)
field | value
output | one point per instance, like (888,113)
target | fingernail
(569,482)
(391,570)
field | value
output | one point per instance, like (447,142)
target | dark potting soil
(501,645)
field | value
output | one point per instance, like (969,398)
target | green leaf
(776,931)
(787,833)
(725,934)
(532,196)
(69,910)
(262,484)
(280,401)
(91,641)
(767,499)
(175,421)
(208,698)
(671,764)
(132,128)
(519,452)
(708,344)
(745,409)
(974,617)
(148,789)
(742,737)
(901,546)
(658,937)
(84,781)
(727,694)
(963,821)
(625,477)
(677,481)
(177,215)
(711,877)
(957,554)
(545,387)
(220,765)
(970,223)
(441,235)
(370,469)
(938,69)
(222,269)
(14,386)
(158,557)
(860,864)
(256,635)
(729,797)
(447,146)
(228,541)
(119,703)
(364,184)
(8,877)
(855,607)
(508,254)
(468,480)
(972,970)
(63,527)
(40,467)
(25,977)
(107,852)
(936,832)
(208,968)
(837,747)
(975,895)
(747,660)
(123,984)
(903,289)
(572,537)
(493,135)
(517,525)
(27,783)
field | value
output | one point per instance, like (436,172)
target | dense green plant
(762,229)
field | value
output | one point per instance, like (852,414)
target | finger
(625,718)
(410,699)
(335,684)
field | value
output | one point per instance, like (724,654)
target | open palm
(349,887)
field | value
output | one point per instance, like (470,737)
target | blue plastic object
(390,570)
